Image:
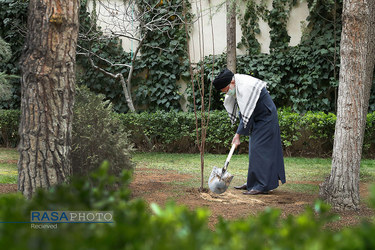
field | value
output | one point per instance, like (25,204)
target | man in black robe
(258,119)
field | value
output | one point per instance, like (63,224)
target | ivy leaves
(164,56)
(304,77)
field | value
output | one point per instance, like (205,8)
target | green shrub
(137,226)
(311,134)
(97,135)
(9,122)
(290,128)
(220,133)
(369,138)
(5,88)
(318,134)
(161,130)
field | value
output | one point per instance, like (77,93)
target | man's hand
(236,140)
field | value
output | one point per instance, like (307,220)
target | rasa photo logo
(56,217)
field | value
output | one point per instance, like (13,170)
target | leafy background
(303,77)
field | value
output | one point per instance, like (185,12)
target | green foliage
(163,60)
(5,53)
(304,77)
(5,87)
(302,135)
(319,131)
(164,131)
(277,19)
(216,96)
(109,49)
(136,226)
(311,134)
(9,122)
(250,28)
(175,131)
(369,138)
(97,135)
(164,56)
(294,79)
(13,18)
(290,128)
(269,231)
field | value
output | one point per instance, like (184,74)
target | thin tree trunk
(341,188)
(231,36)
(48,82)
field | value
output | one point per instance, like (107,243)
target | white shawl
(248,91)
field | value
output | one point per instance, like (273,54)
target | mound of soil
(159,186)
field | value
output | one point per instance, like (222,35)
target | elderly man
(258,119)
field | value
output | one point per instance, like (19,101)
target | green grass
(297,169)
(301,173)
(304,171)
(8,165)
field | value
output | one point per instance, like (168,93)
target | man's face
(231,85)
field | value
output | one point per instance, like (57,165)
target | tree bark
(231,36)
(341,188)
(47,94)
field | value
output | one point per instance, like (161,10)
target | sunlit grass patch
(301,187)
(8,166)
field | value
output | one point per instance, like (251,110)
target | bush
(161,130)
(369,138)
(136,226)
(97,135)
(310,135)
(290,129)
(9,122)
(315,134)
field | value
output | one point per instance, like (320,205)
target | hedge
(311,134)
(9,123)
(137,225)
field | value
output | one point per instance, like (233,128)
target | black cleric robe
(266,162)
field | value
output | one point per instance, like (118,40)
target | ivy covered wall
(303,77)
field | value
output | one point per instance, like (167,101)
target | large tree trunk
(341,188)
(231,36)
(48,82)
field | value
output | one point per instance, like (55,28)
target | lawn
(8,165)
(301,171)
(160,177)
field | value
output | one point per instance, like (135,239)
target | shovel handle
(229,157)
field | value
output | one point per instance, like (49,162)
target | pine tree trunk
(231,36)
(48,82)
(341,188)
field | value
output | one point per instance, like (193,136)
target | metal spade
(220,179)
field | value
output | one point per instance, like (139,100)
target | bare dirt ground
(159,186)
(8,188)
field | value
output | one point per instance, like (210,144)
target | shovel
(220,179)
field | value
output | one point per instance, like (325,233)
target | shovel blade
(219,182)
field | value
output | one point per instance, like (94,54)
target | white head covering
(248,90)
